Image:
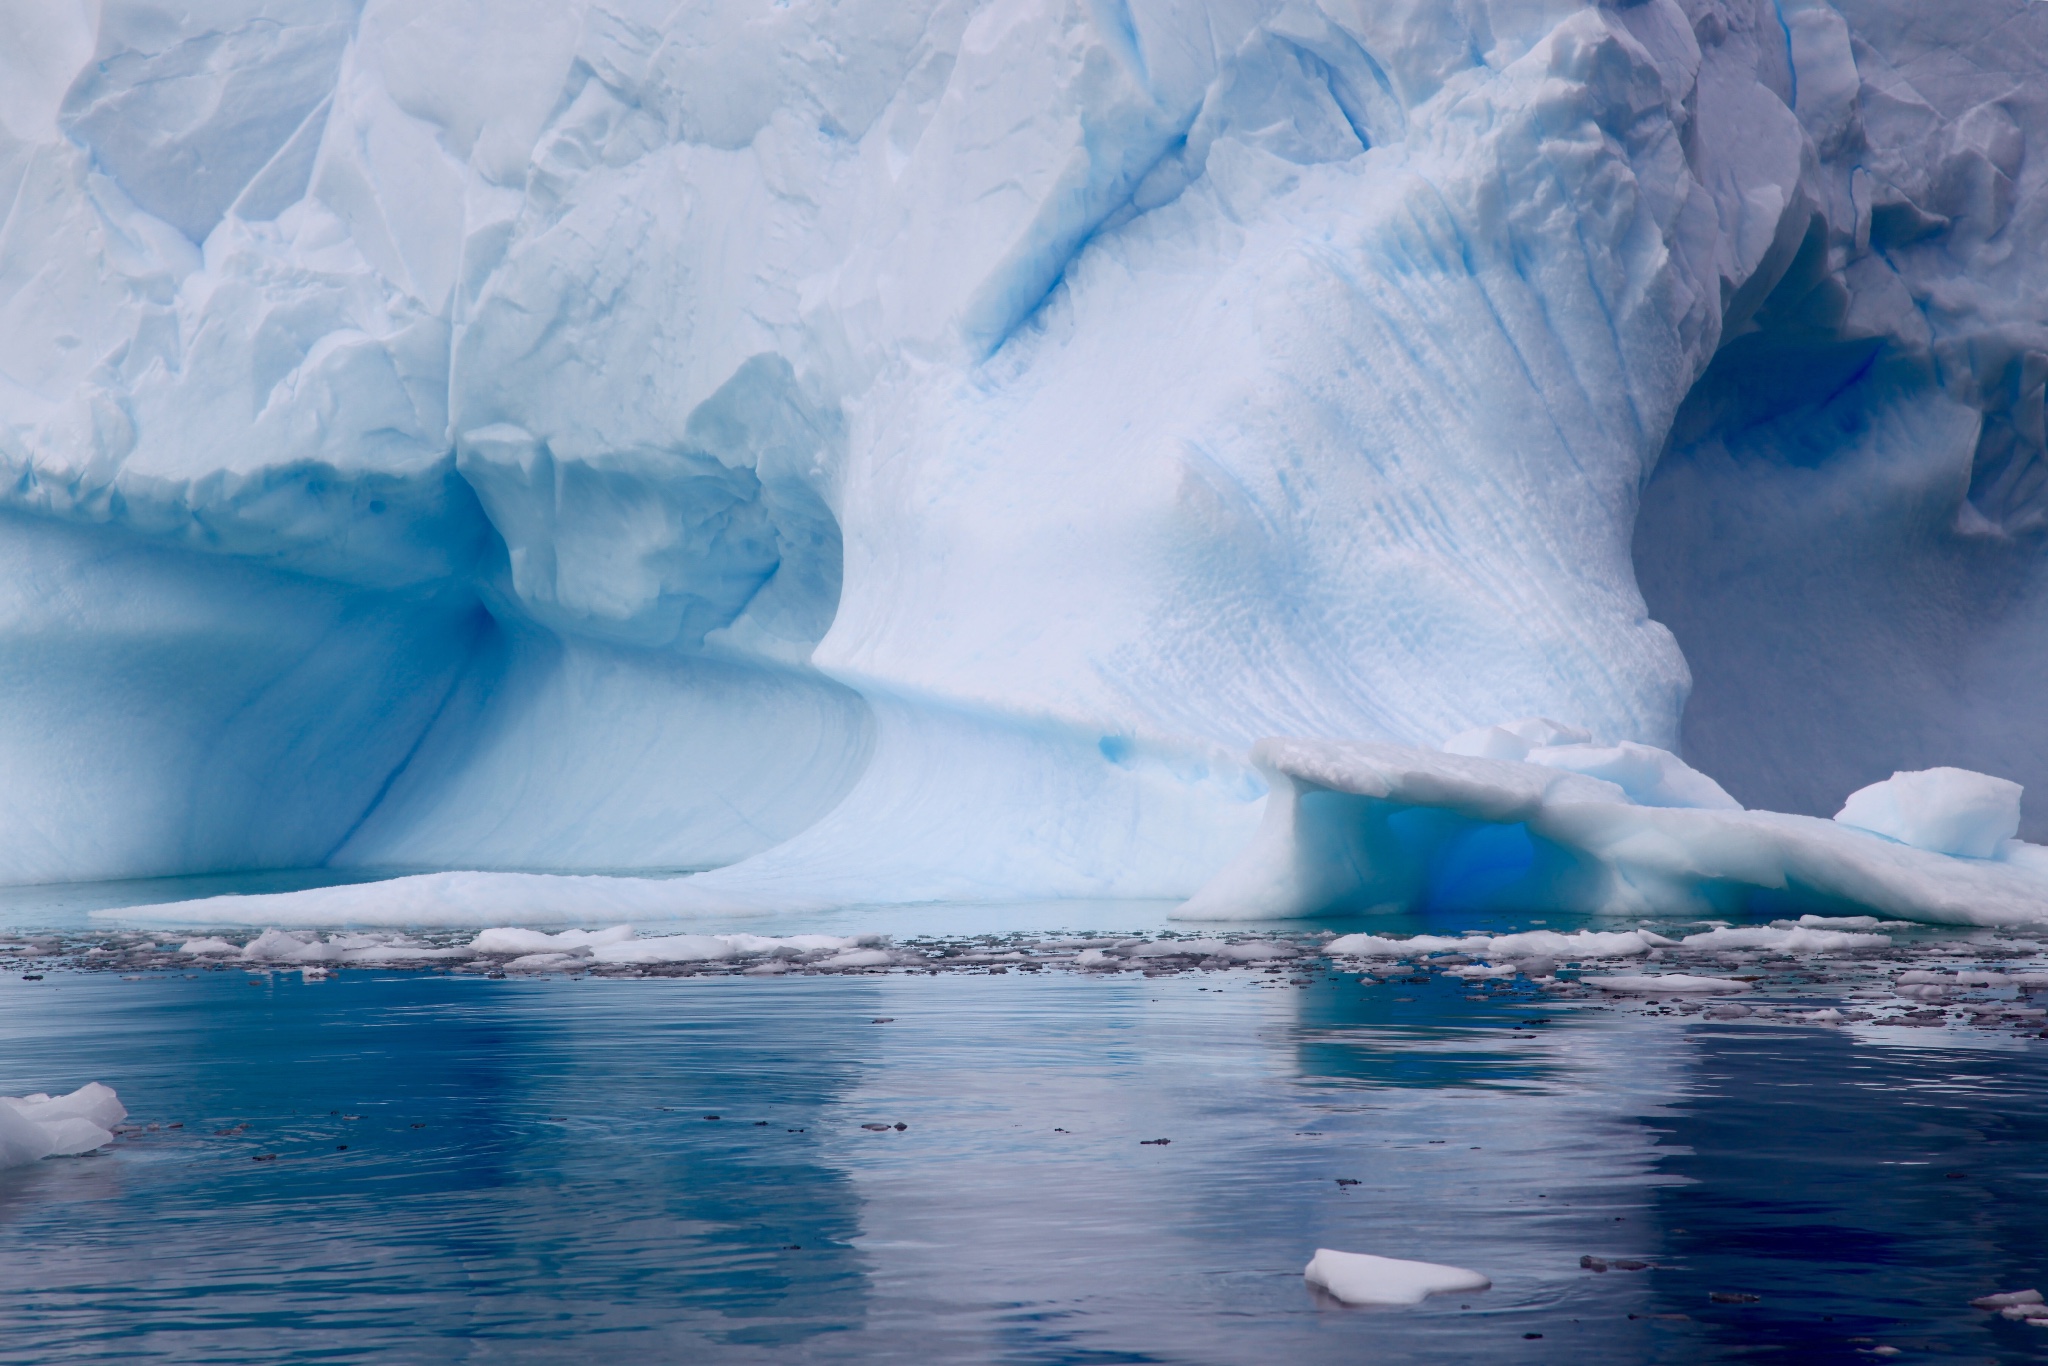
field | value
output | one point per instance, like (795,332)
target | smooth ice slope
(914,450)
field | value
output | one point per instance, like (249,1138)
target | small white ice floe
(205,948)
(508,939)
(39,1126)
(1798,939)
(1670,983)
(546,962)
(2023,1305)
(1361,1278)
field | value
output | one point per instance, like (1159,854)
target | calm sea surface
(462,1169)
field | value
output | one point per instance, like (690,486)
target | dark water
(530,1174)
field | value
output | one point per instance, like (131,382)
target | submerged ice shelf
(904,452)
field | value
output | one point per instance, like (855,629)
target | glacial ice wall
(910,450)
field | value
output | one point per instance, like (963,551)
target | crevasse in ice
(916,449)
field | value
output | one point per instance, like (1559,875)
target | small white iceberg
(39,1126)
(1361,1278)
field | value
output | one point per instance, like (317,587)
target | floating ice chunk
(1800,940)
(505,939)
(674,948)
(1361,1278)
(798,943)
(545,962)
(1666,984)
(208,947)
(1650,776)
(1584,944)
(1946,810)
(859,958)
(281,946)
(1955,979)
(1514,739)
(1527,944)
(39,1126)
(1374,946)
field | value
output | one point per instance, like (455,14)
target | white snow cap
(1650,776)
(1514,739)
(39,1126)
(1361,1278)
(1947,810)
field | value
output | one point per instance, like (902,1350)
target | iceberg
(39,1126)
(623,462)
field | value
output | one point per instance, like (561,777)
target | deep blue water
(529,1174)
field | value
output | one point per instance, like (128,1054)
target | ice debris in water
(1362,1278)
(38,1126)
(507,939)
(541,951)
(1527,944)
(2022,1305)
(1945,810)
(301,948)
(1665,984)
(1795,940)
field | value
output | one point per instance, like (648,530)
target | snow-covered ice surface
(911,451)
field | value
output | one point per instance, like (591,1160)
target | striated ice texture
(914,449)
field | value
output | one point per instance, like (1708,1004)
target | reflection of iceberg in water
(1029,1241)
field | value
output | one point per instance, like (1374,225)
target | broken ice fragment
(1362,1278)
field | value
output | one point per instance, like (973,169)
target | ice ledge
(1358,824)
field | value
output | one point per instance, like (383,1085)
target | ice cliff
(915,449)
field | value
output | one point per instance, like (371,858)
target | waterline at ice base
(617,461)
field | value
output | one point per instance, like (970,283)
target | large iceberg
(915,450)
